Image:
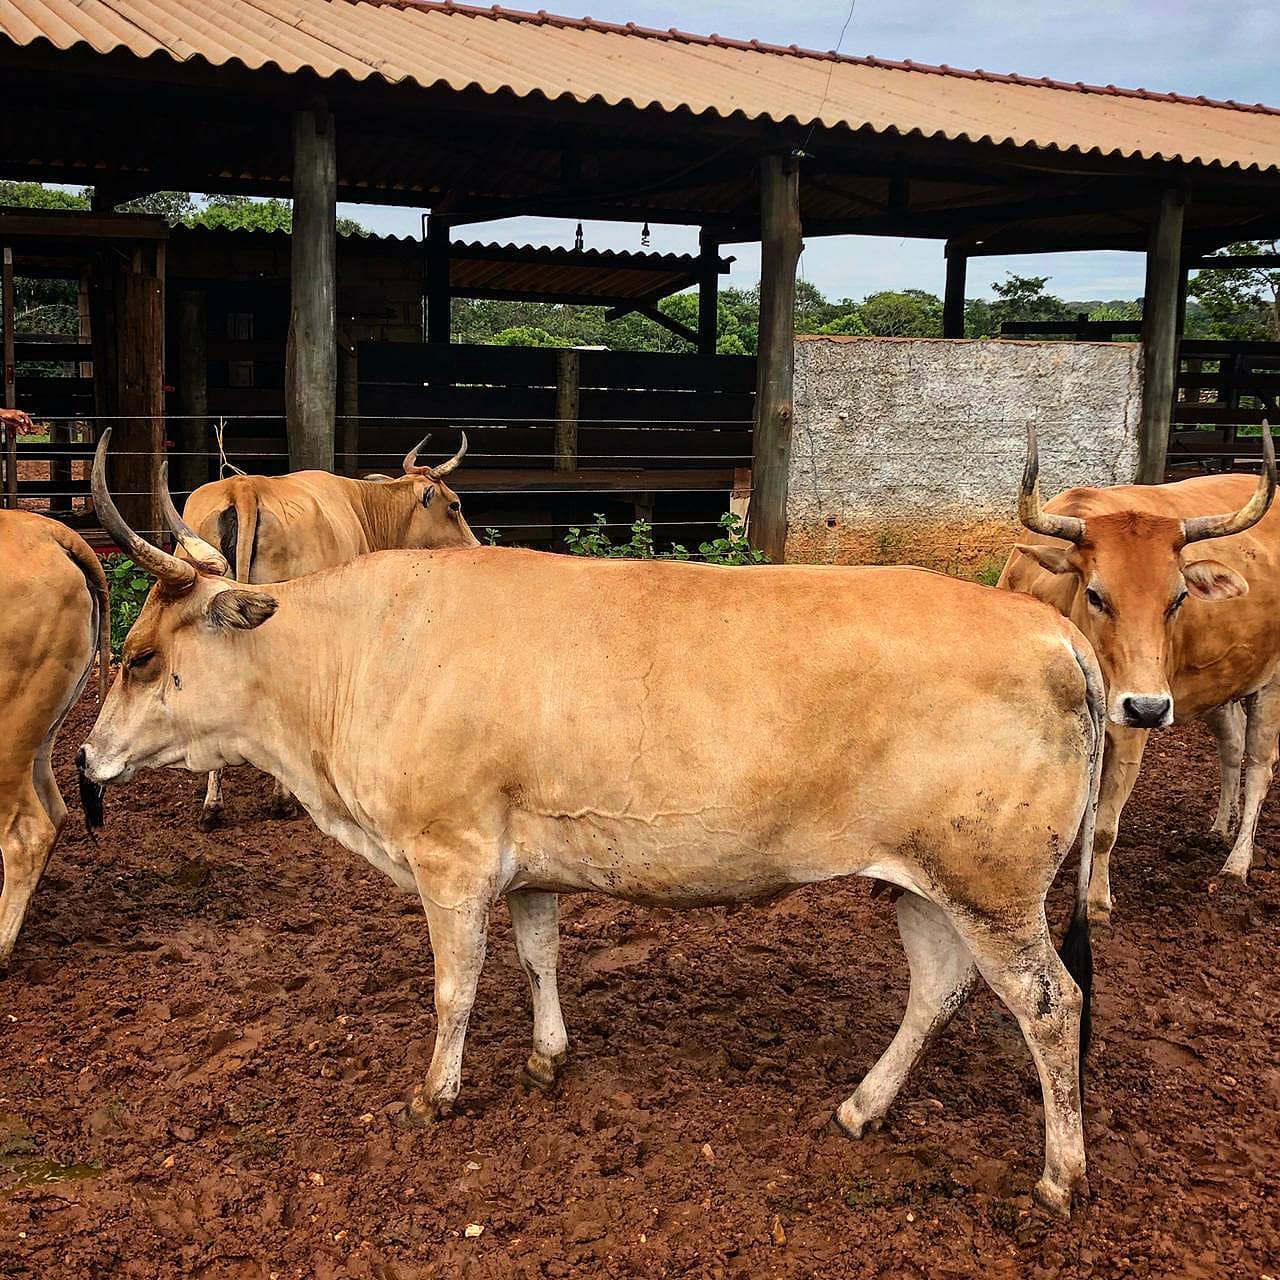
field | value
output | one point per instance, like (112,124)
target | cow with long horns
(273,528)
(55,617)
(483,724)
(1180,634)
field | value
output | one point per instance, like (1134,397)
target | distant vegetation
(1241,304)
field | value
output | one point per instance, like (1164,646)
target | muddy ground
(205,1043)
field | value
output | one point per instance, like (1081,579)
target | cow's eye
(1095,600)
(455,507)
(141,660)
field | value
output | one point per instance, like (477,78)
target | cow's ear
(428,492)
(1048,557)
(239,610)
(1212,580)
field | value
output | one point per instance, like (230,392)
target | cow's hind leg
(535,920)
(1227,726)
(1023,969)
(28,833)
(943,977)
(459,926)
(1262,711)
(283,805)
(211,813)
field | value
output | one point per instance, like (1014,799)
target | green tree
(1242,303)
(245,213)
(528,335)
(849,323)
(1023,298)
(34,195)
(908,313)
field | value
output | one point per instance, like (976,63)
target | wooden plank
(191,431)
(709,266)
(780,251)
(667,371)
(1160,334)
(417,363)
(604,480)
(349,401)
(64,349)
(439,298)
(74,225)
(568,398)
(7,304)
(1220,413)
(311,359)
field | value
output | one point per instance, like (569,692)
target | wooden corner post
(1160,307)
(775,364)
(311,377)
(953,302)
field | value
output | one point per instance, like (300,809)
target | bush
(730,548)
(129,586)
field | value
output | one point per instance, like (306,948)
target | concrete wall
(910,450)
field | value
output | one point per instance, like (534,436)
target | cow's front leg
(535,920)
(1121,761)
(1227,726)
(458,919)
(211,814)
(1262,712)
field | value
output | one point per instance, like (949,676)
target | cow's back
(47,630)
(279,527)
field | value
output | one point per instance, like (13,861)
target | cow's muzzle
(1144,710)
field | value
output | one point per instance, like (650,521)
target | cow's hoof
(1058,1201)
(285,807)
(848,1122)
(1099,917)
(541,1072)
(1228,889)
(423,1111)
(1222,834)
(210,818)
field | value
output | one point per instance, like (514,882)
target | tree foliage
(1241,303)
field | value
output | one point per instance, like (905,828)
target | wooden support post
(568,397)
(191,431)
(349,398)
(439,297)
(311,378)
(708,292)
(10,380)
(775,365)
(1160,335)
(953,302)
(137,443)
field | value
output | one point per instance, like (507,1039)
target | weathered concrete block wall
(910,450)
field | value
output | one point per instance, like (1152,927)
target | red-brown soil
(220,1030)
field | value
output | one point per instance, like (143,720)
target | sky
(1221,48)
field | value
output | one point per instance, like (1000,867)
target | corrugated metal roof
(495,51)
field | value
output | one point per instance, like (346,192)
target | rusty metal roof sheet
(527,54)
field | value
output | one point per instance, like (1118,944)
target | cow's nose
(1143,711)
(82,759)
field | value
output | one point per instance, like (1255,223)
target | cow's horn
(1198,528)
(451,464)
(411,458)
(1030,512)
(168,569)
(208,557)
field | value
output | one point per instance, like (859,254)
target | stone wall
(910,450)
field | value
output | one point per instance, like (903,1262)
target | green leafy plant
(731,547)
(129,586)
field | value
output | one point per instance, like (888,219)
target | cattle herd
(484,723)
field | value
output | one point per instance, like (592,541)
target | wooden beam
(311,359)
(191,431)
(953,302)
(775,365)
(10,379)
(658,317)
(1160,334)
(708,291)
(1235,261)
(439,296)
(568,399)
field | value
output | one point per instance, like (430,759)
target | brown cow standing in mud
(482,724)
(54,616)
(273,528)
(1180,634)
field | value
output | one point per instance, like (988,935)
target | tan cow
(273,528)
(1180,634)
(54,614)
(484,724)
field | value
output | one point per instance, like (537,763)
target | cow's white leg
(535,920)
(1120,764)
(1227,726)
(1262,711)
(458,935)
(211,813)
(943,977)
(1028,976)
(28,833)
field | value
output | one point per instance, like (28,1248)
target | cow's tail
(238,529)
(1076,951)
